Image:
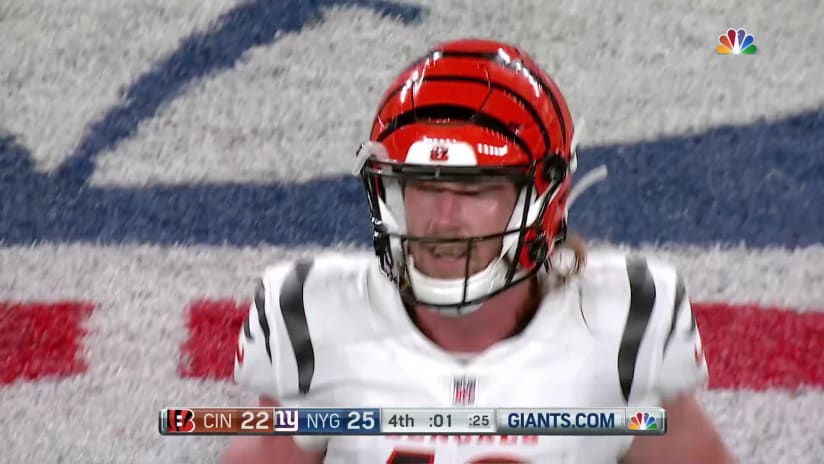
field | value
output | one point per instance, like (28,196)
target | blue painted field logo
(736,43)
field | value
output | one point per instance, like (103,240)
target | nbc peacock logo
(736,43)
(642,421)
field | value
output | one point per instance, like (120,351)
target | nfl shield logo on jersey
(463,391)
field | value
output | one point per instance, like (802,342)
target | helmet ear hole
(534,249)
(538,249)
(553,169)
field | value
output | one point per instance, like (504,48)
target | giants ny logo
(181,420)
(463,391)
(286,420)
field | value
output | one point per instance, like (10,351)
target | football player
(468,301)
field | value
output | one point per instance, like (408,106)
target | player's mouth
(448,261)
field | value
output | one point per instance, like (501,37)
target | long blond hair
(577,245)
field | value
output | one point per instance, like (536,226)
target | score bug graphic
(736,42)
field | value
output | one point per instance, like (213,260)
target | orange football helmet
(471,110)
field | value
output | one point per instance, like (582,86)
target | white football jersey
(332,332)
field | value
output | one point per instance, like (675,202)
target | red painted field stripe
(40,340)
(214,326)
(747,347)
(756,348)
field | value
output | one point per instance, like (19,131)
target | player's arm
(691,436)
(258,368)
(268,449)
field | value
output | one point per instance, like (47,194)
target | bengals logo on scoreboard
(181,420)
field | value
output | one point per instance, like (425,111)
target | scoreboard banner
(412,421)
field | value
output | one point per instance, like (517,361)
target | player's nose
(447,208)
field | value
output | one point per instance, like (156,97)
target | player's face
(457,210)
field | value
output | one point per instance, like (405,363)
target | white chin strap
(429,290)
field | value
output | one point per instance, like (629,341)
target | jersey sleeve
(266,361)
(257,355)
(683,364)
(660,352)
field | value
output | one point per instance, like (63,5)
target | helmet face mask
(439,134)
(522,245)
